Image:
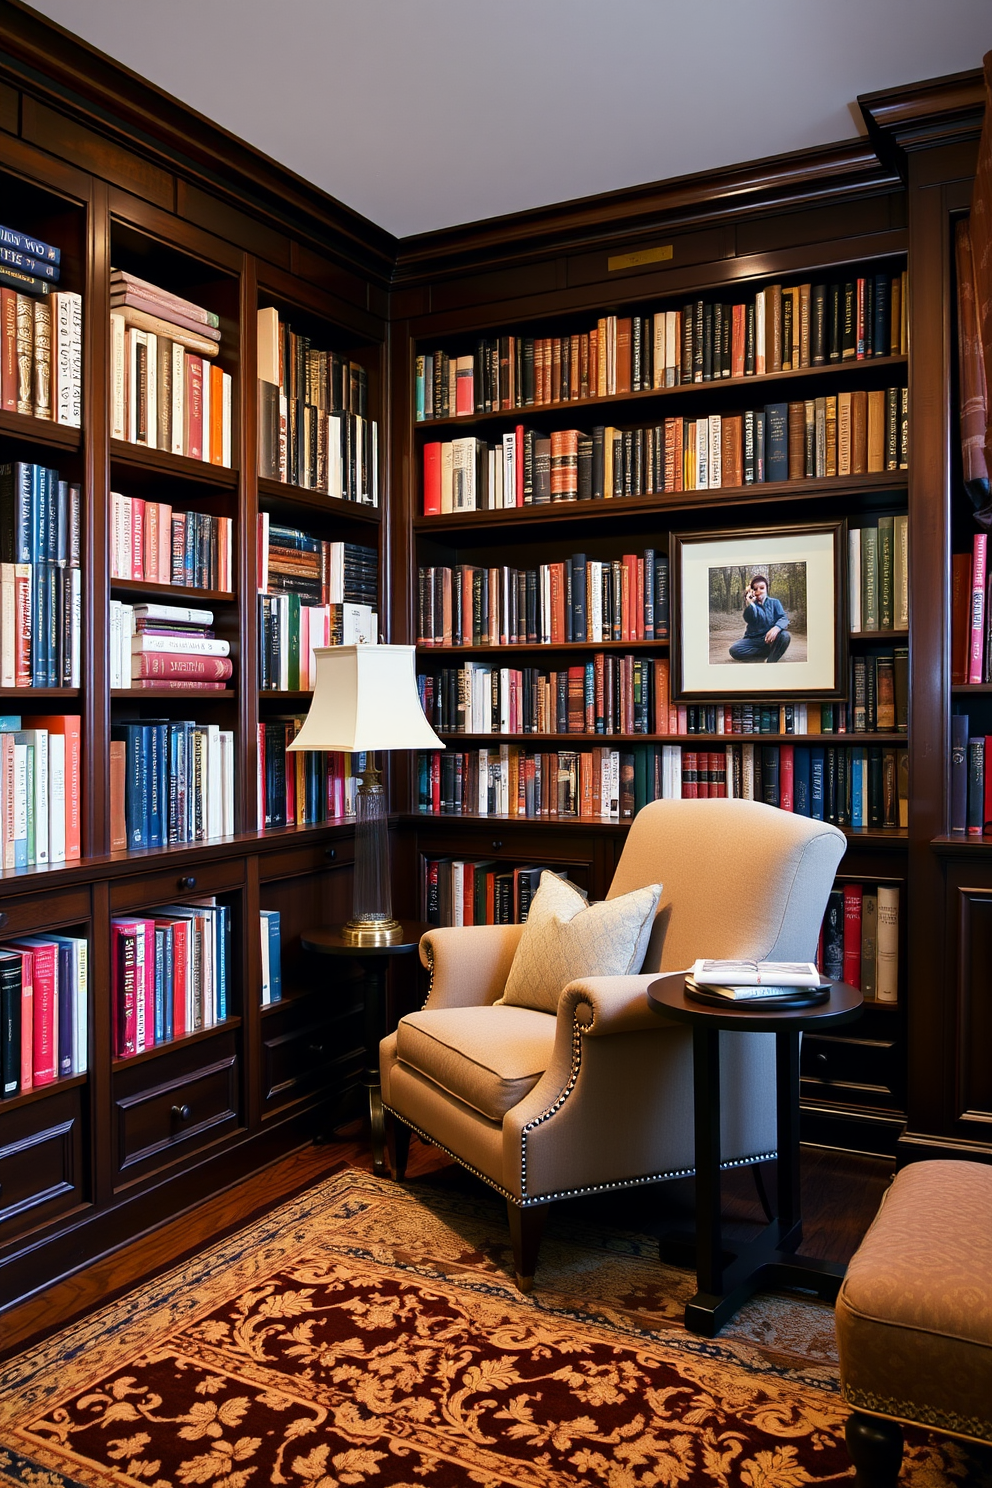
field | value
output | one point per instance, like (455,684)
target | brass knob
(181,1113)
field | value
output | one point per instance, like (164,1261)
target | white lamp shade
(365,697)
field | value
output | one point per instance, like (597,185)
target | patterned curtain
(973,245)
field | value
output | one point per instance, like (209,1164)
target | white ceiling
(426,113)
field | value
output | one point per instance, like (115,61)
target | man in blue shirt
(766,625)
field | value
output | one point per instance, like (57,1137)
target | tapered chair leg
(762,1192)
(397,1145)
(876,1450)
(526,1229)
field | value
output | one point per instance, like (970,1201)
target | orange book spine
(216,445)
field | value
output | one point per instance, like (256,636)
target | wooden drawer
(507,840)
(849,1071)
(146,890)
(314,858)
(28,914)
(167,1108)
(306,1052)
(41,1161)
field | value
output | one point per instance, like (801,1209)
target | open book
(755,974)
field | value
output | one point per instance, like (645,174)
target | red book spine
(181,664)
(46,1023)
(8,357)
(518,457)
(23,618)
(123,963)
(690,775)
(960,619)
(432,479)
(194,407)
(976,644)
(737,341)
(786,777)
(629,598)
(69,725)
(987,806)
(852,934)
(148,979)
(27,1019)
(137,514)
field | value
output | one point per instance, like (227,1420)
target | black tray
(802,997)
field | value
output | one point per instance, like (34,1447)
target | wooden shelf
(138,457)
(689,740)
(40,431)
(170,692)
(177,594)
(129,1060)
(544,647)
(272,694)
(874,836)
(283,494)
(673,502)
(39,1092)
(874,636)
(45,692)
(974,689)
(681,390)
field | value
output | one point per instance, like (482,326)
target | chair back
(739,879)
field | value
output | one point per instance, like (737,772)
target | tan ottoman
(914,1316)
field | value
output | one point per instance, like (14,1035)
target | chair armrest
(469,964)
(607,1005)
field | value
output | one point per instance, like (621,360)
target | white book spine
(81,1022)
(56,798)
(178,401)
(854,577)
(39,738)
(8,625)
(728,755)
(189,645)
(671,346)
(118,377)
(715,442)
(659,344)
(151,389)
(887,954)
(702,454)
(67,357)
(214,813)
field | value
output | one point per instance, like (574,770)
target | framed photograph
(759,613)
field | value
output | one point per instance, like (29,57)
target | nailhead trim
(974,1428)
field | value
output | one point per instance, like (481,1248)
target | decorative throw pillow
(565,938)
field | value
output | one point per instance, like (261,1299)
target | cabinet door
(968,1026)
(41,1162)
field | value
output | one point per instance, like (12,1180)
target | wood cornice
(922,116)
(90,87)
(782,182)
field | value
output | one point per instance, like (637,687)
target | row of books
(778,329)
(170,974)
(270,921)
(41,358)
(859,939)
(314,428)
(878,575)
(304,788)
(971,614)
(626,694)
(44,1001)
(854,433)
(320,572)
(971,778)
(170,782)
(457,891)
(40,577)
(166,647)
(40,790)
(289,632)
(27,263)
(849,786)
(148,540)
(167,391)
(574,600)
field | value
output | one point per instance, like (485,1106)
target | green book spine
(869,944)
(886,571)
(294,642)
(869,578)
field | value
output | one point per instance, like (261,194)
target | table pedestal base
(764,1264)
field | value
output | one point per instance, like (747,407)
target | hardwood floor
(841,1194)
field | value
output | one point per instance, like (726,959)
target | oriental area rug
(368,1333)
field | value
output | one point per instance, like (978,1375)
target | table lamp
(365,698)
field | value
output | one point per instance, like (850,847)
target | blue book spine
(858,766)
(66,1008)
(275,954)
(143,770)
(816,779)
(420,390)
(801,781)
(10,723)
(760,445)
(157,783)
(159,986)
(579,630)
(13,258)
(50,507)
(23,243)
(61,554)
(649,594)
(23,502)
(168,981)
(38,534)
(776,441)
(222,957)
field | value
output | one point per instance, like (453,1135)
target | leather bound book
(818,325)
(835,328)
(805,324)
(777,441)
(843,433)
(849,322)
(830,423)
(708,357)
(688,324)
(876,429)
(737,339)
(773,328)
(750,340)
(892,429)
(623,355)
(787,330)
(698,340)
(732,462)
(859,432)
(797,440)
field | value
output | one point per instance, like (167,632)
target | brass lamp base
(371,932)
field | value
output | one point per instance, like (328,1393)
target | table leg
(706,1085)
(787,1112)
(374,970)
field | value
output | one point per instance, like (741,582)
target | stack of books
(305,788)
(852,433)
(148,540)
(41,586)
(314,428)
(312,593)
(170,974)
(40,790)
(781,328)
(167,391)
(271,956)
(41,360)
(859,939)
(44,981)
(167,647)
(170,782)
(753,981)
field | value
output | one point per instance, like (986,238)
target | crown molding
(923,116)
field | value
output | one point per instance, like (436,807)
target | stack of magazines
(750,981)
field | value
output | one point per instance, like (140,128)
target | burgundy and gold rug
(368,1333)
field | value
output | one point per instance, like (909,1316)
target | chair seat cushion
(914,1314)
(488,1057)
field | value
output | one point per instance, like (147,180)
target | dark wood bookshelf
(41,431)
(543,647)
(128,1061)
(886,483)
(136,693)
(689,740)
(26,693)
(829,370)
(970,689)
(41,1092)
(304,500)
(125,455)
(177,594)
(273,694)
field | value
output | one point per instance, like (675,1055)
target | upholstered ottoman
(914,1316)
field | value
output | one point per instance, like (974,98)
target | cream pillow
(565,938)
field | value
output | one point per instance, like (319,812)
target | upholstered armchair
(545,1106)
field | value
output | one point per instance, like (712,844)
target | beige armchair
(544,1107)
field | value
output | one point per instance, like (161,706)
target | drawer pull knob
(496,844)
(821,1061)
(316,1049)
(181,1113)
(331,853)
(186,882)
(3,917)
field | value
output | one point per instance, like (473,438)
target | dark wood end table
(374,963)
(727,1280)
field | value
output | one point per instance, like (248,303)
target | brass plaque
(645,256)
